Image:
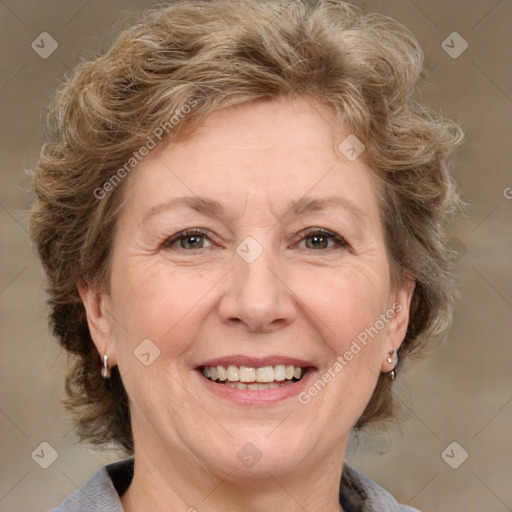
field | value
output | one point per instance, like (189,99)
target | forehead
(274,152)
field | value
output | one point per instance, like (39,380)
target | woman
(240,211)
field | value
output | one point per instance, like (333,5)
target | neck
(180,482)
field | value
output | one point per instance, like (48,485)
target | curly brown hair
(215,54)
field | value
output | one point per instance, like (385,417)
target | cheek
(153,302)
(347,314)
(350,311)
(346,302)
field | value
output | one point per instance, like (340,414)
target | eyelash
(339,240)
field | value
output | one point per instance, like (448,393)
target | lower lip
(257,397)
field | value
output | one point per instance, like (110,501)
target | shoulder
(102,490)
(358,493)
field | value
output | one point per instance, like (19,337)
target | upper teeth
(233,373)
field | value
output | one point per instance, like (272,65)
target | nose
(257,297)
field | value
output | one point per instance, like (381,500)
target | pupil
(319,241)
(192,241)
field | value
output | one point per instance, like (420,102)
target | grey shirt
(101,492)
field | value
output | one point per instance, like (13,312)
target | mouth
(255,381)
(254,378)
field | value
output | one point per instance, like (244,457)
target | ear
(97,307)
(396,328)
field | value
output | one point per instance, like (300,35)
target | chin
(260,453)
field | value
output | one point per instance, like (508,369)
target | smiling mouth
(254,378)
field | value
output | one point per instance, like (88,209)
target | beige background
(462,394)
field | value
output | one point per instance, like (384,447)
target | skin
(198,299)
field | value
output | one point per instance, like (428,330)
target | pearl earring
(390,360)
(105,371)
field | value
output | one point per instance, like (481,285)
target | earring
(390,359)
(105,371)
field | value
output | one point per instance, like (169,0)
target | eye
(321,238)
(315,239)
(188,239)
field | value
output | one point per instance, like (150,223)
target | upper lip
(257,362)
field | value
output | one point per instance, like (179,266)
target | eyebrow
(316,204)
(213,208)
(204,205)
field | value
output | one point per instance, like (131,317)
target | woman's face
(284,265)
